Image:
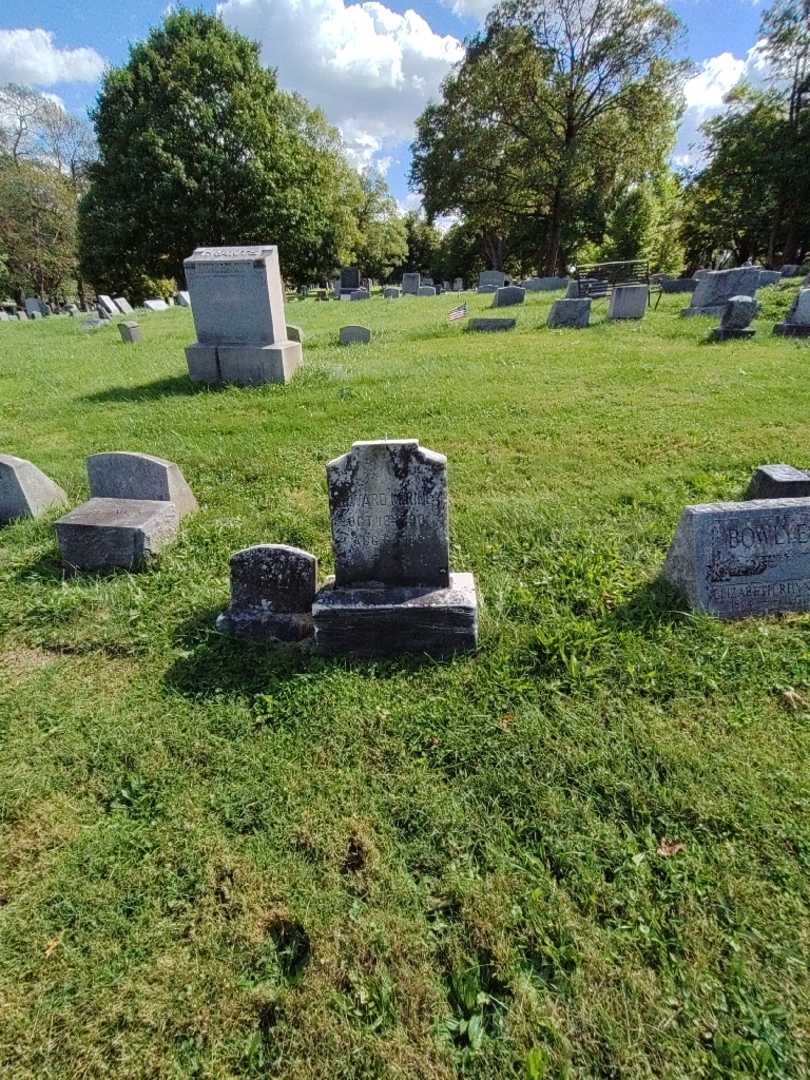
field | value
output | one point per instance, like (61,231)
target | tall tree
(557,105)
(381,241)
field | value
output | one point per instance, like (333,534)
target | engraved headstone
(349,279)
(107,305)
(738,313)
(458,285)
(484,325)
(797,320)
(411,283)
(575,313)
(354,335)
(508,295)
(743,558)
(25,491)
(272,590)
(628,302)
(491,279)
(358,294)
(238,308)
(393,590)
(718,286)
(121,474)
(33,307)
(779,482)
(130,332)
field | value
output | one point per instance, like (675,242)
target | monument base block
(728,333)
(372,620)
(105,534)
(786,329)
(261,625)
(244,365)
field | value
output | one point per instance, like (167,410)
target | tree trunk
(551,253)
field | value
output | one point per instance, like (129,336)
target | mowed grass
(582,851)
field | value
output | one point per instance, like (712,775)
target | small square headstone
(355,335)
(779,482)
(272,590)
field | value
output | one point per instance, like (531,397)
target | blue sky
(371,66)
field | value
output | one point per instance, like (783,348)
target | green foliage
(382,242)
(644,223)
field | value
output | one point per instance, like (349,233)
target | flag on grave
(457,313)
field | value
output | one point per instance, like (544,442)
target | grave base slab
(106,534)
(244,365)
(379,620)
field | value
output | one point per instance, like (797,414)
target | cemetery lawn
(582,851)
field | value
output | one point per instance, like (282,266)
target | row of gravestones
(731,294)
(393,590)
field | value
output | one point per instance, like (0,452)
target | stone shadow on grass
(656,603)
(172,386)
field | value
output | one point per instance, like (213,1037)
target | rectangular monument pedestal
(103,534)
(380,620)
(243,365)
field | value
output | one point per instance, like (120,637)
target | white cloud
(371,69)
(30,57)
(471,9)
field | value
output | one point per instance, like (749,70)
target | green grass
(220,860)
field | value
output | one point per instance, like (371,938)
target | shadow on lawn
(654,604)
(173,386)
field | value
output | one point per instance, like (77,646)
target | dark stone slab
(679,285)
(570,312)
(743,558)
(508,295)
(25,491)
(272,590)
(779,482)
(370,621)
(349,278)
(491,325)
(105,534)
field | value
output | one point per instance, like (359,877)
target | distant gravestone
(294,333)
(35,315)
(426,290)
(743,558)
(130,332)
(790,270)
(738,314)
(90,324)
(779,482)
(393,590)
(183,298)
(391,292)
(156,305)
(718,286)
(272,590)
(508,296)
(628,302)
(107,304)
(411,283)
(349,279)
(123,305)
(491,279)
(484,325)
(545,284)
(355,335)
(22,315)
(32,306)
(458,285)
(678,285)
(4,316)
(769,277)
(574,313)
(359,294)
(25,491)
(238,308)
(797,320)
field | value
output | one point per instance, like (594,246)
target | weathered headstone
(458,285)
(718,286)
(130,332)
(391,292)
(628,302)
(358,294)
(491,278)
(484,325)
(737,316)
(135,507)
(575,313)
(797,320)
(545,284)
(107,304)
(393,590)
(743,558)
(25,491)
(156,305)
(22,315)
(183,298)
(272,590)
(508,295)
(4,317)
(33,307)
(790,270)
(354,335)
(123,305)
(426,290)
(779,482)
(90,324)
(411,283)
(349,279)
(238,309)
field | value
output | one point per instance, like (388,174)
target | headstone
(779,482)
(411,283)
(718,286)
(90,324)
(25,491)
(183,298)
(484,325)
(32,307)
(678,285)
(790,270)
(354,335)
(574,313)
(426,280)
(294,333)
(769,277)
(272,590)
(458,285)
(3,316)
(484,289)
(238,309)
(136,503)
(35,315)
(445,286)
(367,284)
(797,320)
(345,296)
(358,294)
(739,312)
(393,590)
(508,296)
(628,302)
(130,332)
(496,278)
(22,315)
(156,305)
(743,558)
(107,305)
(349,279)
(391,292)
(72,310)
(545,284)
(426,290)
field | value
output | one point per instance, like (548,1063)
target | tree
(198,146)
(422,245)
(21,112)
(381,236)
(556,107)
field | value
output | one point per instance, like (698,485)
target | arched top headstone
(25,491)
(120,474)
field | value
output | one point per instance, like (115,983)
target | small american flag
(457,313)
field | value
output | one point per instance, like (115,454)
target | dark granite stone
(489,325)
(272,590)
(349,278)
(743,558)
(779,482)
(103,534)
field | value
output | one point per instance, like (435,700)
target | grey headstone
(391,292)
(411,283)
(294,333)
(574,313)
(484,290)
(360,294)
(779,482)
(426,290)
(492,277)
(769,277)
(272,590)
(458,285)
(35,315)
(25,491)
(743,558)
(107,304)
(718,286)
(183,298)
(790,270)
(484,325)
(628,302)
(545,284)
(90,324)
(123,305)
(130,332)
(123,475)
(238,308)
(156,305)
(22,315)
(3,316)
(354,335)
(349,278)
(104,534)
(797,321)
(426,280)
(508,295)
(737,316)
(33,307)
(388,502)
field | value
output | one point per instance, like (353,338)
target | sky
(371,66)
